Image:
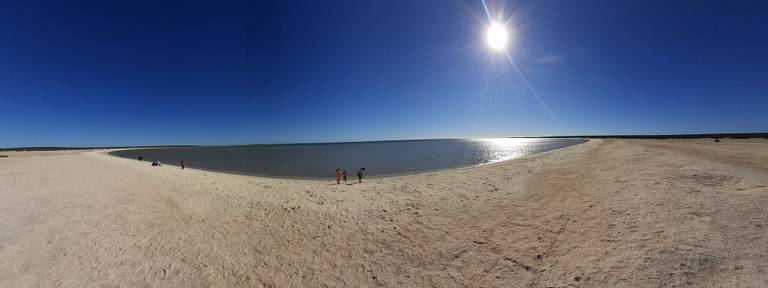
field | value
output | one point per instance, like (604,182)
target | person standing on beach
(338,176)
(182,164)
(140,158)
(344,174)
(360,174)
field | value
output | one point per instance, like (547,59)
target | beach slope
(618,213)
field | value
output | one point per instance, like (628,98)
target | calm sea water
(384,158)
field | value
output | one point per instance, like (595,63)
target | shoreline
(619,213)
(111,151)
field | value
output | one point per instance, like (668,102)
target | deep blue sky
(231,72)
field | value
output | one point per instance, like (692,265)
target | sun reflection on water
(501,149)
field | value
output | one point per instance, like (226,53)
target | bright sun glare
(497,36)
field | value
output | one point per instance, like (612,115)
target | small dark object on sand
(717,140)
(3,156)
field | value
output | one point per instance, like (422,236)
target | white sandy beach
(608,213)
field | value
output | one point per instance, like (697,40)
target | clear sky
(82,73)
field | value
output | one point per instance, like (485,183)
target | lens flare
(497,36)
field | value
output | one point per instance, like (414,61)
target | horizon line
(598,136)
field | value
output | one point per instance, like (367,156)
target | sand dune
(617,213)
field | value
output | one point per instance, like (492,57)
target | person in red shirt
(338,176)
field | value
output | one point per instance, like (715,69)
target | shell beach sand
(617,213)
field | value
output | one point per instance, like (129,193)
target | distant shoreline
(369,176)
(667,136)
(90,148)
(320,165)
(622,136)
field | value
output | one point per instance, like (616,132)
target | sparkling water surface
(384,158)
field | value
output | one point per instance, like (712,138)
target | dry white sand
(614,213)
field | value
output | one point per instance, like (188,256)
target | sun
(497,36)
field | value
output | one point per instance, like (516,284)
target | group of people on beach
(157,163)
(342,174)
